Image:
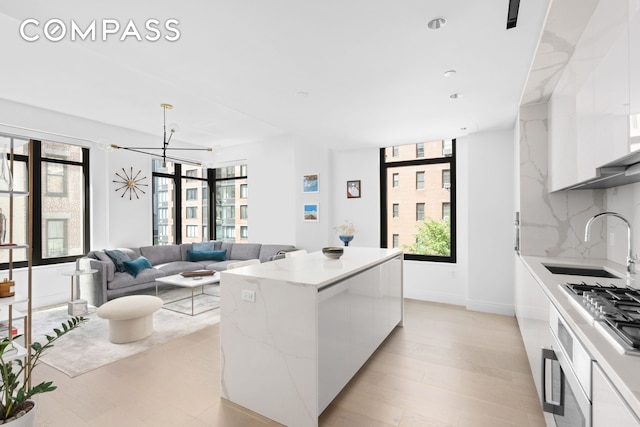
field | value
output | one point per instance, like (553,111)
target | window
(244,232)
(419,211)
(395,151)
(56,179)
(56,238)
(446,210)
(230,182)
(446,179)
(61,195)
(419,180)
(192,194)
(447,148)
(192,231)
(186,201)
(192,212)
(191,173)
(431,235)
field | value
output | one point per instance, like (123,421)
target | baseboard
(491,307)
(440,297)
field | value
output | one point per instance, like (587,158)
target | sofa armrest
(93,287)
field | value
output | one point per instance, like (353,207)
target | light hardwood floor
(446,367)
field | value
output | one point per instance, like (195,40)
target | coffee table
(189,282)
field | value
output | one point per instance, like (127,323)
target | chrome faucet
(631,259)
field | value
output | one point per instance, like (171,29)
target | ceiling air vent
(512,15)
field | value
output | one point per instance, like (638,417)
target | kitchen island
(294,331)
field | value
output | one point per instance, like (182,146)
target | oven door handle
(551,406)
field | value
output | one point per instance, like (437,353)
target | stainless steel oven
(566,376)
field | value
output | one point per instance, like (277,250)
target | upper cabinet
(590,109)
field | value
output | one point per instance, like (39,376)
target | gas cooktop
(614,310)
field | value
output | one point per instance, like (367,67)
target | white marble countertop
(315,269)
(622,369)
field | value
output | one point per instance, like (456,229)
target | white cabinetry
(354,317)
(532,312)
(590,107)
(608,407)
(312,324)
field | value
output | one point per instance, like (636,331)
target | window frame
(385,195)
(38,191)
(175,178)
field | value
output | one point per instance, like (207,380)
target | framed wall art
(353,189)
(310,212)
(311,183)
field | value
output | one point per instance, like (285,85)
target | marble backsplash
(552,224)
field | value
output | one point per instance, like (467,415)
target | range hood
(625,170)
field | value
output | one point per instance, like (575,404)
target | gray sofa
(166,260)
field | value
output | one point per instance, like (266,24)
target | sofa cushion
(124,280)
(109,265)
(118,257)
(203,246)
(198,256)
(136,266)
(243,251)
(176,267)
(161,254)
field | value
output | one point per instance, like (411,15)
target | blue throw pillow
(118,257)
(195,256)
(136,266)
(204,246)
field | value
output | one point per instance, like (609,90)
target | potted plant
(15,376)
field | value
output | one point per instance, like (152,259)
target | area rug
(88,347)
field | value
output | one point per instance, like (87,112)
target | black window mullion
(36,252)
(177,178)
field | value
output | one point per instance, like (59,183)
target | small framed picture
(310,183)
(310,212)
(353,189)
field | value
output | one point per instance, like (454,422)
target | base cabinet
(354,317)
(608,407)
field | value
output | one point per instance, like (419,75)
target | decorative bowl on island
(332,252)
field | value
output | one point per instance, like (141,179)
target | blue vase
(346,239)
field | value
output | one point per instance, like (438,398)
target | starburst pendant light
(165,144)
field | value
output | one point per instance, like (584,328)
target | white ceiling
(372,69)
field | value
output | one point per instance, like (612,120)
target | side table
(77,306)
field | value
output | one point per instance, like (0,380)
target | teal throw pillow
(118,257)
(204,246)
(136,266)
(196,256)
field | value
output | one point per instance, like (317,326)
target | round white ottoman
(130,318)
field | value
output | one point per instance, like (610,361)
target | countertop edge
(621,369)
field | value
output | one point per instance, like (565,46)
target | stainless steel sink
(577,270)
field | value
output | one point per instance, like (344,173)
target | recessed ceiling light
(437,23)
(455,96)
(449,73)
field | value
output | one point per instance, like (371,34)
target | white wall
(363,212)
(490,218)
